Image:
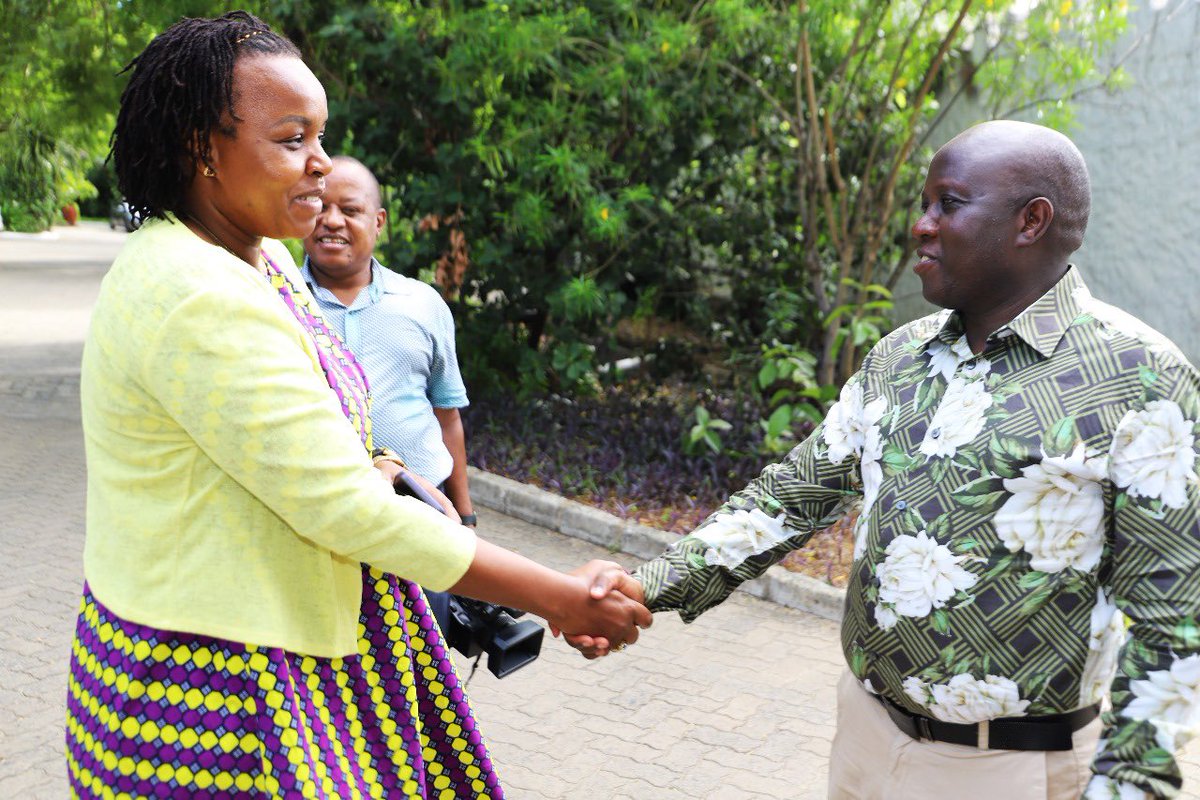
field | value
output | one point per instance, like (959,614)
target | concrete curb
(577,520)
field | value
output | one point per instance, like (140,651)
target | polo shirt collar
(383,281)
(1041,326)
(389,282)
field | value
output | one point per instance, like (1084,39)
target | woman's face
(268,176)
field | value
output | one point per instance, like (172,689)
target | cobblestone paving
(41,544)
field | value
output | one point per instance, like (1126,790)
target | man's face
(348,225)
(971,212)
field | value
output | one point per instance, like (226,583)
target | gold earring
(208,172)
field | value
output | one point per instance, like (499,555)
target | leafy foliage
(706,433)
(574,146)
(852,94)
(743,168)
(788,378)
(59,88)
(28,171)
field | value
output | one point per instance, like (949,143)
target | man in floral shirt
(1025,467)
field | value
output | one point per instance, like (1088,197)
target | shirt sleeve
(776,513)
(1155,582)
(446,389)
(234,372)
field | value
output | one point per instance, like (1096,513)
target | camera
(473,627)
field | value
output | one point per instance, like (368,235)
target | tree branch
(1135,45)
(835,77)
(864,189)
(770,98)
(954,98)
(807,196)
(905,150)
(853,79)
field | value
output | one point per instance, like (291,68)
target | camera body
(473,627)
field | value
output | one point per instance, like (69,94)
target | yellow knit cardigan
(227,493)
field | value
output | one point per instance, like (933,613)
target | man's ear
(1035,221)
(380,220)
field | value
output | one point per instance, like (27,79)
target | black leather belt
(1050,732)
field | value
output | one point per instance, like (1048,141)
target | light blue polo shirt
(402,332)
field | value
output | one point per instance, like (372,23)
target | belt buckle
(923,729)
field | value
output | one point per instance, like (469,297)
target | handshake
(617,603)
(597,608)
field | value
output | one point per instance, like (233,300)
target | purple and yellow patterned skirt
(152,713)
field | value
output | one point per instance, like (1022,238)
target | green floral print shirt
(1028,536)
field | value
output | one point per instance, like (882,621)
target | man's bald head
(353,169)
(1040,162)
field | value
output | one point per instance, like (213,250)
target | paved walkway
(737,705)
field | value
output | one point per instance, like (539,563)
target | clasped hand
(608,585)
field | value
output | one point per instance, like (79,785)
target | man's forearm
(455,440)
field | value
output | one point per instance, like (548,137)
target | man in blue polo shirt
(400,329)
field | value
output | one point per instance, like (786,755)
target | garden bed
(623,452)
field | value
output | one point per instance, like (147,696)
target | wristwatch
(384,454)
(469,519)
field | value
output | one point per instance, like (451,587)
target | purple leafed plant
(621,450)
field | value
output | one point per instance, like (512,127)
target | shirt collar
(383,281)
(1041,326)
(389,282)
(306,272)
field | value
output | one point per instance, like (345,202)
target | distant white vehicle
(122,217)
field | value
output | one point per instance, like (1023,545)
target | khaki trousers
(873,760)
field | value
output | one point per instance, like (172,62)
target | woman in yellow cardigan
(251,623)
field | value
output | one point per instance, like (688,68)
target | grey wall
(1142,145)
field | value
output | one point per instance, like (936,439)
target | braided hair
(180,88)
